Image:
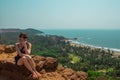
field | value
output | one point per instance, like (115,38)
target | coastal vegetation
(99,63)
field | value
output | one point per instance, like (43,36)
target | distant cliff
(29,30)
(47,67)
(10,36)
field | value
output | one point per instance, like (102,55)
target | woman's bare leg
(32,63)
(23,61)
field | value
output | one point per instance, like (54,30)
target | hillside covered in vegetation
(98,63)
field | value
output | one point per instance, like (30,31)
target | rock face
(46,66)
(47,63)
(9,49)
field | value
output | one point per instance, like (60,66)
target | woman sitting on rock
(23,57)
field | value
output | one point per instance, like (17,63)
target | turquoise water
(99,38)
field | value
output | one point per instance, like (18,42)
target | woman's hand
(24,43)
(26,56)
(27,46)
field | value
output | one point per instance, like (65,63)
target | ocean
(98,38)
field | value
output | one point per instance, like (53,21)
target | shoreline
(116,52)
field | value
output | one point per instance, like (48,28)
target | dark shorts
(16,59)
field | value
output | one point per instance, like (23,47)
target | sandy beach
(116,53)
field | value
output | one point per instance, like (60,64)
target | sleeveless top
(18,57)
(22,50)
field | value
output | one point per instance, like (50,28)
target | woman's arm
(18,50)
(27,48)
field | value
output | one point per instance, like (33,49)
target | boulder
(50,63)
(2,48)
(1,51)
(12,71)
(82,75)
(9,49)
(47,63)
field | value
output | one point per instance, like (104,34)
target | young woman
(23,57)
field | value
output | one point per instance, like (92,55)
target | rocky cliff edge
(46,66)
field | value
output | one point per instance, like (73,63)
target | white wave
(84,44)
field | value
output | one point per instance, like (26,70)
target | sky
(60,14)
